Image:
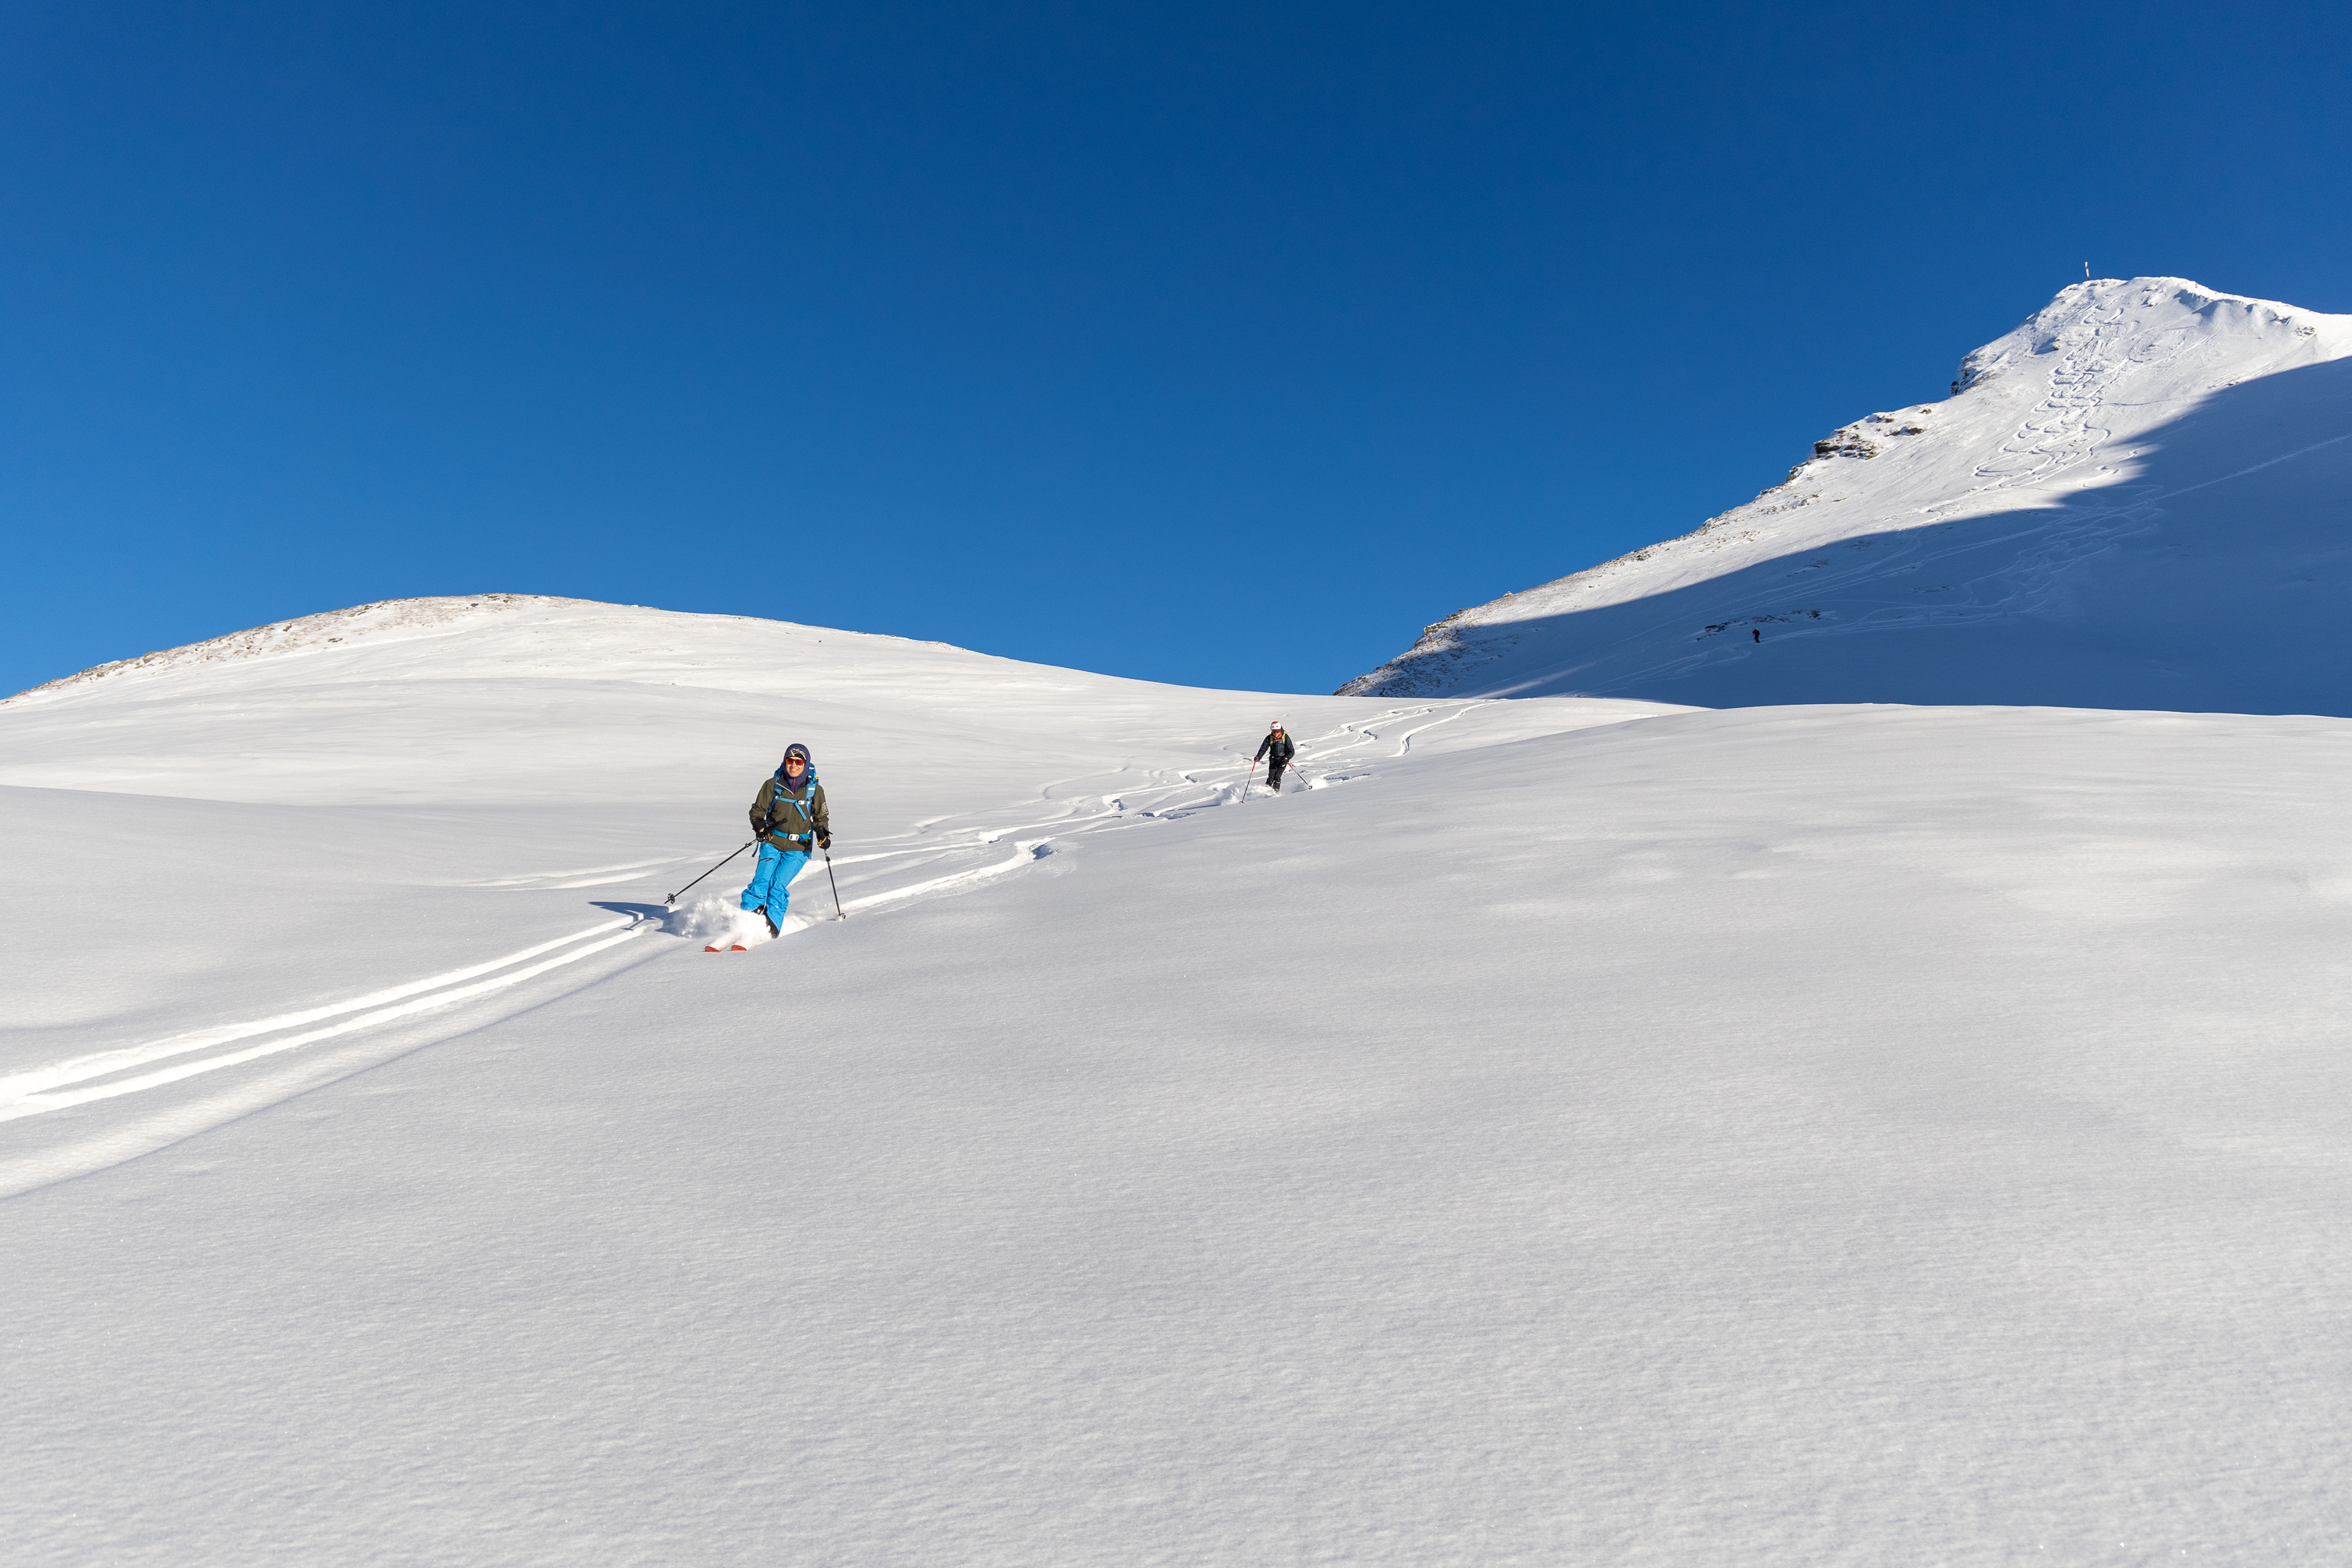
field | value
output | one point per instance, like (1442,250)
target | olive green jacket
(786,820)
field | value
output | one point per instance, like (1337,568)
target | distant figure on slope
(786,819)
(1756,632)
(1277,751)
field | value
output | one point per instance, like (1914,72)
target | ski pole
(1247,782)
(672,899)
(838,912)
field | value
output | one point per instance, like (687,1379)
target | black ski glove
(826,842)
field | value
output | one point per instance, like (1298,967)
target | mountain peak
(2108,510)
(2149,304)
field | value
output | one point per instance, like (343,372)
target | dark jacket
(1280,748)
(785,820)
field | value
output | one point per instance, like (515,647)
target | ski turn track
(117,1105)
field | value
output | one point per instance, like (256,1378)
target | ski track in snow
(117,1086)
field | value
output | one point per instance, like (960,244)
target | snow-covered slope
(2141,497)
(1564,1132)
(338,806)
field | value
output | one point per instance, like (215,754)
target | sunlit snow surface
(2141,497)
(1564,1132)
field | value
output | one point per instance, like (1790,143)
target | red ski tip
(738,947)
(714,949)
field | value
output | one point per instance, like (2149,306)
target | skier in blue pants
(787,818)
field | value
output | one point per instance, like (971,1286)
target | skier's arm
(820,817)
(1261,745)
(760,809)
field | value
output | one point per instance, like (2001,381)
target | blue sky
(1212,343)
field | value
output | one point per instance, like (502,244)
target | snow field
(1818,1135)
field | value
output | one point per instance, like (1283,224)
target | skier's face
(794,766)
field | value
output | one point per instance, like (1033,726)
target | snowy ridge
(2088,426)
(334,628)
(529,617)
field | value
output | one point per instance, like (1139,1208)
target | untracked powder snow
(1557,1128)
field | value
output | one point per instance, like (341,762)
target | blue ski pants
(771,883)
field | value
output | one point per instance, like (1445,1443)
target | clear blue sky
(1226,344)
